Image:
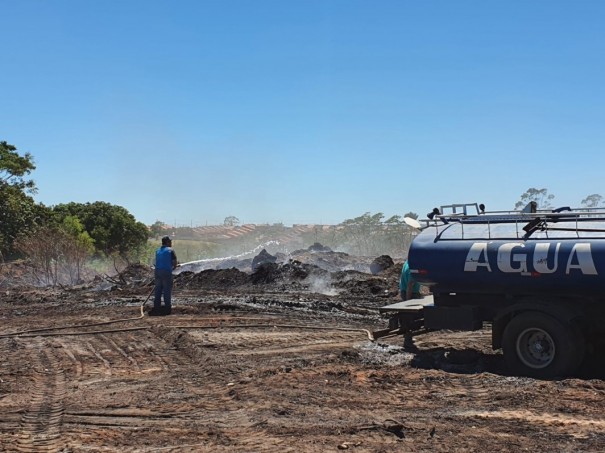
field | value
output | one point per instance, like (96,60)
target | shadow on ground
(471,361)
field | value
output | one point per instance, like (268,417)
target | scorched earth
(275,360)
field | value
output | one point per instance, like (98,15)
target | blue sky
(304,111)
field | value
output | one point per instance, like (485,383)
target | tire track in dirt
(205,411)
(257,342)
(115,355)
(221,379)
(94,350)
(568,416)
(327,402)
(122,351)
(289,336)
(155,344)
(287,388)
(77,363)
(121,367)
(474,386)
(10,410)
(268,356)
(574,425)
(40,425)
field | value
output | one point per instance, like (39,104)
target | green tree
(540,196)
(592,201)
(78,247)
(370,235)
(14,168)
(112,228)
(361,230)
(19,213)
(231,221)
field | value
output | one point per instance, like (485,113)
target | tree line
(58,240)
(544,199)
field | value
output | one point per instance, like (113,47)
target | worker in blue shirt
(408,287)
(165,263)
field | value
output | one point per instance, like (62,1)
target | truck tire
(538,345)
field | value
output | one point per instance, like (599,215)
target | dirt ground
(279,360)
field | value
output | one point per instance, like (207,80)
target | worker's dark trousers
(163,285)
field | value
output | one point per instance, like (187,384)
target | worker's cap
(166,240)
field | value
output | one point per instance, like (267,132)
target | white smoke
(321,285)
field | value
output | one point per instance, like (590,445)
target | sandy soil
(265,368)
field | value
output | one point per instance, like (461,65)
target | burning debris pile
(317,255)
(315,270)
(213,279)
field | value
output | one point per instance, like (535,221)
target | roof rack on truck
(581,222)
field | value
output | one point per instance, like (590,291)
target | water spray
(254,251)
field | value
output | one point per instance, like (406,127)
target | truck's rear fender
(566,311)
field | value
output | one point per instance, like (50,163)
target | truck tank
(540,254)
(536,278)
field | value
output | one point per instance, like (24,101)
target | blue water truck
(537,276)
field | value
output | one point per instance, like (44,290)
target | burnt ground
(278,360)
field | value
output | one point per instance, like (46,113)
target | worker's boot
(408,343)
(155,312)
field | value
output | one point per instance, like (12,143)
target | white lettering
(506,258)
(541,258)
(477,257)
(580,258)
(584,258)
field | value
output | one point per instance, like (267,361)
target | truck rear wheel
(538,345)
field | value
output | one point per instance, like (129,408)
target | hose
(27,334)
(24,333)
(92,332)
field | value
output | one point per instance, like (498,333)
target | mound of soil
(213,279)
(380,264)
(263,257)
